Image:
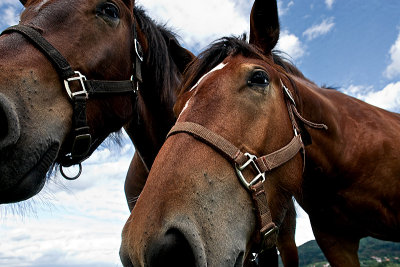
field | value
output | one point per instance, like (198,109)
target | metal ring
(74,177)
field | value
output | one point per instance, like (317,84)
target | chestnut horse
(206,199)
(50,114)
(136,178)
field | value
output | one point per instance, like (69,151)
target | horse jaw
(30,143)
(200,210)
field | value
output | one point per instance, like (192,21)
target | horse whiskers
(27,208)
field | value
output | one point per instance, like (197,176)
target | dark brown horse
(43,113)
(336,155)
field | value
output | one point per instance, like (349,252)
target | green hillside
(372,253)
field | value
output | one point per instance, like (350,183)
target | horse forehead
(218,67)
(41,4)
(233,64)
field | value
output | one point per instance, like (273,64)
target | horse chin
(33,180)
(180,243)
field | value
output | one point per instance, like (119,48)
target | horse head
(193,210)
(72,72)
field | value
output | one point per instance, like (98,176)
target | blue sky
(352,45)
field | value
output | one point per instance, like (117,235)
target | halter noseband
(268,230)
(82,145)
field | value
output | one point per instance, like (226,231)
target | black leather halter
(82,143)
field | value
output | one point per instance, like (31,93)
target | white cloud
(393,69)
(71,223)
(329,3)
(291,44)
(9,12)
(388,98)
(319,29)
(10,2)
(303,227)
(201,22)
(10,16)
(282,9)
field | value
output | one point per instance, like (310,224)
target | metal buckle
(136,89)
(267,235)
(260,177)
(288,94)
(79,77)
(138,50)
(81,145)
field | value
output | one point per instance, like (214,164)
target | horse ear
(181,56)
(23,2)
(264,25)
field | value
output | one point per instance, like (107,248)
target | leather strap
(275,159)
(60,63)
(82,143)
(94,87)
(268,230)
(268,234)
(212,139)
(232,153)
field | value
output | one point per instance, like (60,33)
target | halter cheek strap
(82,143)
(260,165)
(268,230)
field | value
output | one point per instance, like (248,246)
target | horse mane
(161,75)
(230,46)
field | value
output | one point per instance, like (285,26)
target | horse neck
(357,133)
(154,108)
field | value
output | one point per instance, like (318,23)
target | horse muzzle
(10,129)
(179,249)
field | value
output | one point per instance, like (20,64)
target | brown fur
(35,111)
(349,186)
(128,252)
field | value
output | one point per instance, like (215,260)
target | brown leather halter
(82,144)
(268,230)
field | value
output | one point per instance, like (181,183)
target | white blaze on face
(41,4)
(218,67)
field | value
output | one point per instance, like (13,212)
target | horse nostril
(4,124)
(172,250)
(239,260)
(9,123)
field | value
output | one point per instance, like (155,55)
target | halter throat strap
(82,143)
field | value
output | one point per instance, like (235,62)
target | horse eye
(108,10)
(259,78)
